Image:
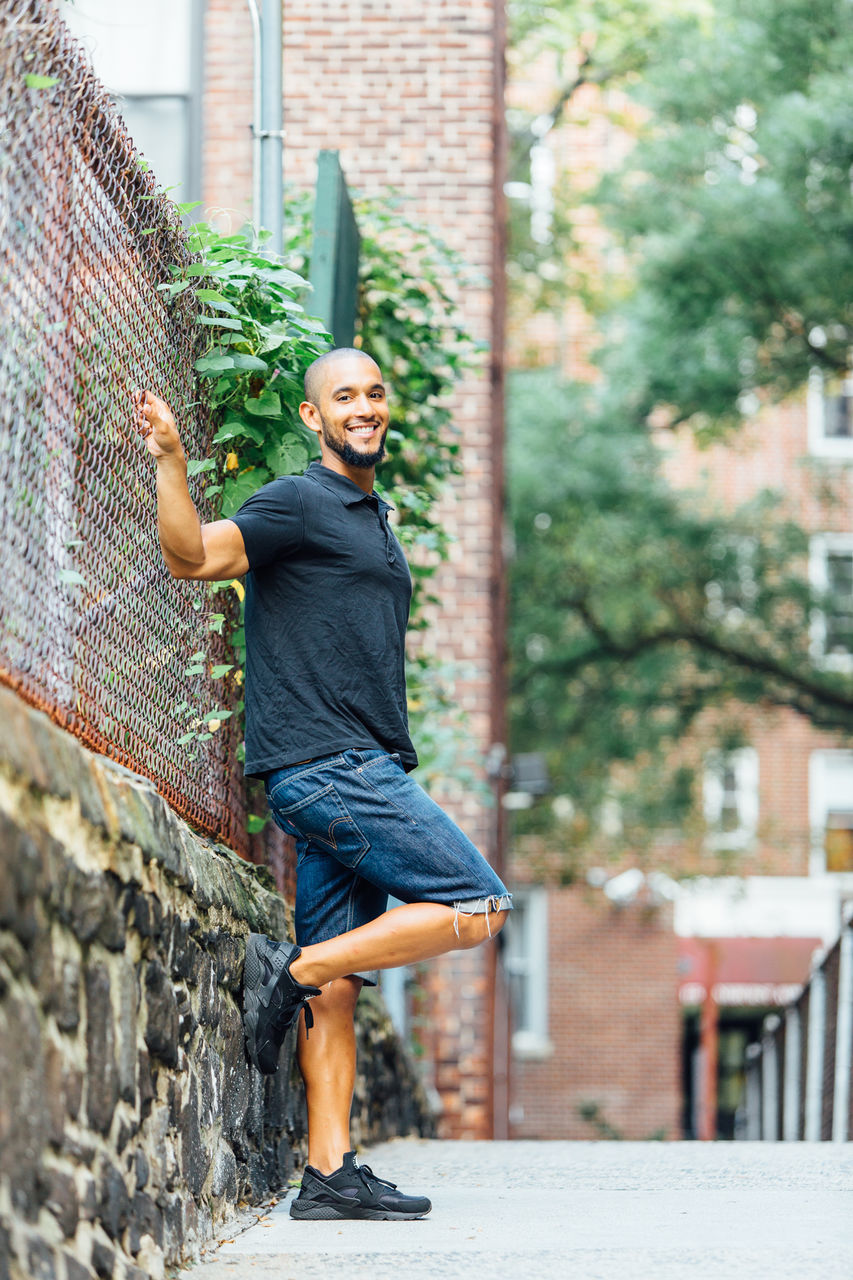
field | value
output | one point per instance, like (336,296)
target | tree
(636,610)
(579,45)
(737,211)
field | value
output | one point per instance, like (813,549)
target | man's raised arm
(190,549)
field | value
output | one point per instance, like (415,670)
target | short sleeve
(271,522)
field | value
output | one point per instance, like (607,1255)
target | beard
(351,456)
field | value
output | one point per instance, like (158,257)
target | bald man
(327,604)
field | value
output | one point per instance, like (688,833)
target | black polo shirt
(327,604)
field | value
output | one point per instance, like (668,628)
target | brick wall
(410,95)
(613,1024)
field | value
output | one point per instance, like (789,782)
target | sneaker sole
(251,998)
(328,1213)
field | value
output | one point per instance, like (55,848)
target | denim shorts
(365,830)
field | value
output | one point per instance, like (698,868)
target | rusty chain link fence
(92,627)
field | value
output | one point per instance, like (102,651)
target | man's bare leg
(327,1063)
(404,935)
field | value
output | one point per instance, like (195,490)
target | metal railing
(92,628)
(798,1079)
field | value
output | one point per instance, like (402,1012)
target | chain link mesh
(92,628)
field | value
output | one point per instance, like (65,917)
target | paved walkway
(585,1210)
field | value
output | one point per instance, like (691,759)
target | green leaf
(217,300)
(236,491)
(221,669)
(221,322)
(185,738)
(266,405)
(287,457)
(256,823)
(33,81)
(234,428)
(214,364)
(310,324)
(196,465)
(195,670)
(251,363)
(71,577)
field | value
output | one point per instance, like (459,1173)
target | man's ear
(310,415)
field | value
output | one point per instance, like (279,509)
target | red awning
(742,972)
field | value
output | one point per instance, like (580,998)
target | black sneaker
(271,999)
(353,1191)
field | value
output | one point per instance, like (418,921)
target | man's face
(353,411)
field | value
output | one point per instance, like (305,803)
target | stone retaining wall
(130,1122)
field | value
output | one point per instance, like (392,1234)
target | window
(730,795)
(830,415)
(831,811)
(831,571)
(150,58)
(527,967)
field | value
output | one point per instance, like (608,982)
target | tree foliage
(578,45)
(637,609)
(736,211)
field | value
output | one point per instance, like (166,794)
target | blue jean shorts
(365,830)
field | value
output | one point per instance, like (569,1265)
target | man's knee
(479,926)
(337,998)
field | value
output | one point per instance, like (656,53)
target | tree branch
(805,693)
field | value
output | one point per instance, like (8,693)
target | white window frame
(820,545)
(744,762)
(178,82)
(821,445)
(826,794)
(527,958)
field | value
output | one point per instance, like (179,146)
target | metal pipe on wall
(256,111)
(267,131)
(272,134)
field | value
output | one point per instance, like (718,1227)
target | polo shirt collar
(347,490)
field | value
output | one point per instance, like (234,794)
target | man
(327,602)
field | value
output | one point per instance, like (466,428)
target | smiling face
(348,409)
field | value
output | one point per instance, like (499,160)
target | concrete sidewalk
(592,1211)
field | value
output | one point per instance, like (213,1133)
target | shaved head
(346,405)
(317,373)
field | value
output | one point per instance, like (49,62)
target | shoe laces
(285,1015)
(368,1176)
